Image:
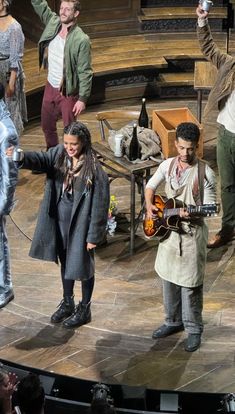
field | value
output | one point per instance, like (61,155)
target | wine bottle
(143,118)
(134,149)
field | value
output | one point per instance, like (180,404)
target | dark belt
(4,58)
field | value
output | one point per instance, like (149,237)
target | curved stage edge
(74,395)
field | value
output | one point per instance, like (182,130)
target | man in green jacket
(222,97)
(66,49)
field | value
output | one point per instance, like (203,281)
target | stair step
(146,53)
(179,12)
(176,84)
(176,79)
(128,65)
(155,42)
(168,44)
(179,19)
(171,3)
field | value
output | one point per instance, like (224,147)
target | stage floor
(116,347)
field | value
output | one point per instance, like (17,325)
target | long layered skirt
(17,103)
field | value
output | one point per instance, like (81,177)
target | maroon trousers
(54,106)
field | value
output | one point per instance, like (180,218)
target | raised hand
(9,151)
(200,12)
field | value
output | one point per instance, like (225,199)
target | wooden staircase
(155,65)
(171,18)
(178,21)
(171,3)
(151,63)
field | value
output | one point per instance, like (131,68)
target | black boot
(81,316)
(65,309)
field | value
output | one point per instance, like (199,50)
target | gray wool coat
(88,219)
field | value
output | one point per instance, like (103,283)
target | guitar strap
(201,176)
(171,166)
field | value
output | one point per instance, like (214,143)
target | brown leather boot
(220,239)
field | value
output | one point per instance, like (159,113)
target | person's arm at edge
(207,45)
(85,75)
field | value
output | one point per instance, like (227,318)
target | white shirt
(55,61)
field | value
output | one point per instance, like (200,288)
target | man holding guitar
(181,255)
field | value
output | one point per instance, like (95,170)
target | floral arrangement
(111,222)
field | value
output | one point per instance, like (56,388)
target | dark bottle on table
(143,118)
(134,149)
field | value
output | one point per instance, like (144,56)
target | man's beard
(188,160)
(66,20)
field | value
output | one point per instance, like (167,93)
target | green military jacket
(77,52)
(225,81)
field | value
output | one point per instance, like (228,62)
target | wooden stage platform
(116,347)
(158,65)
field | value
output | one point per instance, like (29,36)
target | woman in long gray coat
(72,218)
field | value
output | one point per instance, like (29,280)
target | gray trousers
(183,305)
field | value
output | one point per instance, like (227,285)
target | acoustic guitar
(167,216)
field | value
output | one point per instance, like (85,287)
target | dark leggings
(68,285)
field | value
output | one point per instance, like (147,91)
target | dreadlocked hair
(79,130)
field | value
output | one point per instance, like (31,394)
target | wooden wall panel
(97,18)
(111,17)
(24,13)
(98,11)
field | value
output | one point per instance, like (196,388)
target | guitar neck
(168,212)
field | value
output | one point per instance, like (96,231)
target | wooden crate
(164,123)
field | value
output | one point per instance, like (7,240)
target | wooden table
(204,78)
(138,173)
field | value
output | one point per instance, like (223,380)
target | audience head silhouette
(31,395)
(102,403)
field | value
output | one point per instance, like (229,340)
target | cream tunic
(181,258)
